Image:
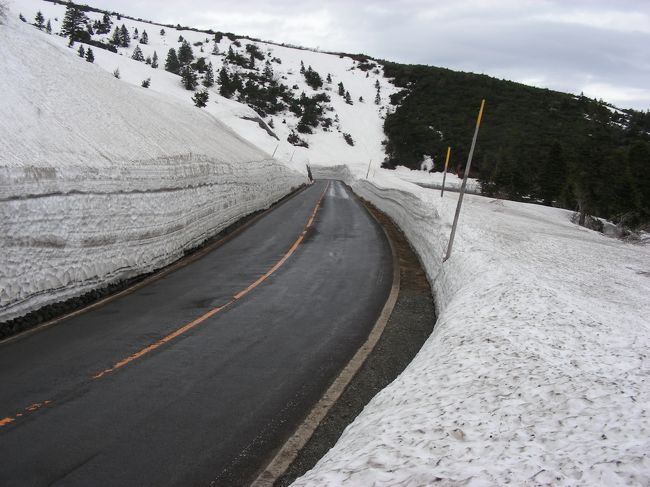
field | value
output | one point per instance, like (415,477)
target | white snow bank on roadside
(434,179)
(100,180)
(537,370)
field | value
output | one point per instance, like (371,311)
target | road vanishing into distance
(199,376)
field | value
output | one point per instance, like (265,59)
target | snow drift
(100,180)
(536,372)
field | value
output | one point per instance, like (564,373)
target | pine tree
(89,29)
(329,78)
(148,60)
(361,99)
(553,175)
(348,98)
(81,51)
(377,85)
(171,64)
(162,32)
(185,54)
(377,99)
(48,27)
(225,86)
(302,67)
(188,78)
(39,20)
(90,57)
(208,80)
(137,54)
(22,17)
(106,24)
(136,34)
(200,98)
(146,83)
(268,71)
(180,38)
(116,73)
(341,89)
(215,49)
(73,22)
(125,38)
(115,39)
(154,60)
(144,38)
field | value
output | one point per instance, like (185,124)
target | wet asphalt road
(210,401)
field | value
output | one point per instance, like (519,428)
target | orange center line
(212,312)
(29,409)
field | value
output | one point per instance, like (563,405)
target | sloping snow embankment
(100,180)
(537,370)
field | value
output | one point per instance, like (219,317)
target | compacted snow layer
(100,180)
(537,370)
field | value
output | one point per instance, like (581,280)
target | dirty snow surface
(537,370)
(101,180)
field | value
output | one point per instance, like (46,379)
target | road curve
(197,377)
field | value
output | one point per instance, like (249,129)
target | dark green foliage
(377,99)
(162,32)
(81,51)
(313,79)
(255,52)
(115,38)
(302,67)
(208,79)
(146,83)
(136,34)
(226,88)
(154,60)
(144,38)
(171,63)
(294,139)
(200,98)
(348,139)
(341,89)
(39,20)
(200,65)
(215,49)
(348,98)
(137,54)
(90,57)
(116,73)
(185,54)
(188,78)
(74,23)
(125,38)
(22,17)
(236,58)
(48,27)
(329,78)
(534,145)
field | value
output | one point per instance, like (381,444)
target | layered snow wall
(537,370)
(100,180)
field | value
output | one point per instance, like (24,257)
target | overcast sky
(599,47)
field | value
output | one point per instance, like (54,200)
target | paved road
(195,378)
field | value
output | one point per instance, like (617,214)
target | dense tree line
(535,144)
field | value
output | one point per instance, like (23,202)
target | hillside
(101,180)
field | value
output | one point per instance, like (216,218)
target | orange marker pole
(462,187)
(444,175)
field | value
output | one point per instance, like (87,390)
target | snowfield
(101,180)
(537,370)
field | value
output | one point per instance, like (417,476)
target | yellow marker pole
(462,187)
(444,175)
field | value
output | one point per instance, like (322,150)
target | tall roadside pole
(462,187)
(444,174)
(368,172)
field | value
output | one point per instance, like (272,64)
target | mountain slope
(100,180)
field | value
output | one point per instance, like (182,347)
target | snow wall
(535,373)
(101,181)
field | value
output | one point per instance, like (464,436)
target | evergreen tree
(200,98)
(125,38)
(90,57)
(341,89)
(146,83)
(185,54)
(171,64)
(144,39)
(377,85)
(639,165)
(48,27)
(137,54)
(377,99)
(148,60)
(154,60)
(136,34)
(268,71)
(22,17)
(39,20)
(225,85)
(361,99)
(180,38)
(553,175)
(162,32)
(208,80)
(302,67)
(215,49)
(115,39)
(188,78)
(74,22)
(348,98)
(329,78)
(81,51)
(89,29)
(116,73)
(105,24)
(313,79)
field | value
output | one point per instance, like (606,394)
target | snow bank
(101,180)
(536,372)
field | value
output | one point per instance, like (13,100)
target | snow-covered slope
(537,370)
(362,120)
(101,180)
